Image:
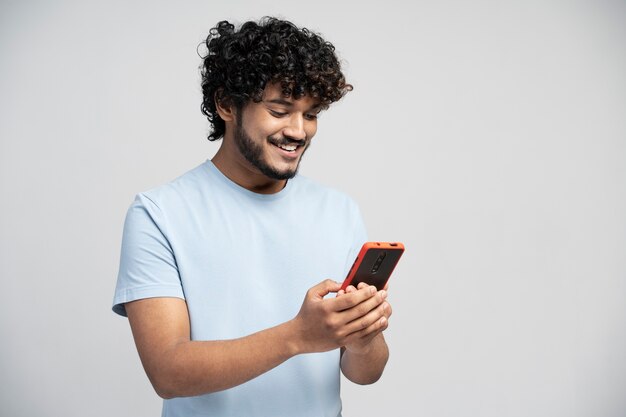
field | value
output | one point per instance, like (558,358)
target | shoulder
(184,189)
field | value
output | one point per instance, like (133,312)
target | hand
(362,344)
(351,319)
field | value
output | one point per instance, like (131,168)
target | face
(274,134)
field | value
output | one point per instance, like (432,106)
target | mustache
(287,141)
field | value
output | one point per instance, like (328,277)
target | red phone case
(374,264)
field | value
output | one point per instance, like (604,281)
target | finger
(365,321)
(368,333)
(352,299)
(324,288)
(364,308)
(388,310)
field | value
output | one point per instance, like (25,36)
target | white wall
(488,136)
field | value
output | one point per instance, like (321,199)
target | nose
(295,128)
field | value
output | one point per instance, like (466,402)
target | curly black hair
(239,64)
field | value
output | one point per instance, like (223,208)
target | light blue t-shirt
(243,262)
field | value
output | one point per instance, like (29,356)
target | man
(215,264)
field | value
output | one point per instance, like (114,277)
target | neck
(236,168)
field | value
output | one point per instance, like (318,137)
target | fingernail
(383,294)
(372,290)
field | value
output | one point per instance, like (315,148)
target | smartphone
(374,264)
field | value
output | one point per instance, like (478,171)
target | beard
(253,152)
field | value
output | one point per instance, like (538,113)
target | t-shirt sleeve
(147,263)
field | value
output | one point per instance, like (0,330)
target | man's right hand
(325,324)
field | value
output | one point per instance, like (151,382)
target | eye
(311,116)
(277,113)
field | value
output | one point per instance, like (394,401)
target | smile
(288,148)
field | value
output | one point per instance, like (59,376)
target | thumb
(323,288)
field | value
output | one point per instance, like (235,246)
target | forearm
(366,367)
(192,368)
(180,367)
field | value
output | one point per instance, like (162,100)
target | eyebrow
(288,103)
(280,101)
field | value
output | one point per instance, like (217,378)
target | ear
(224,107)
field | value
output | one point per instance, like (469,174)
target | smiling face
(274,134)
(264,141)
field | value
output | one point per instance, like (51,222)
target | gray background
(488,136)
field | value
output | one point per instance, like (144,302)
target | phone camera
(378,262)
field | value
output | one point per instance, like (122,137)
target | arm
(178,366)
(364,360)
(367,367)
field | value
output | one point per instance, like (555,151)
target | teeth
(288,147)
